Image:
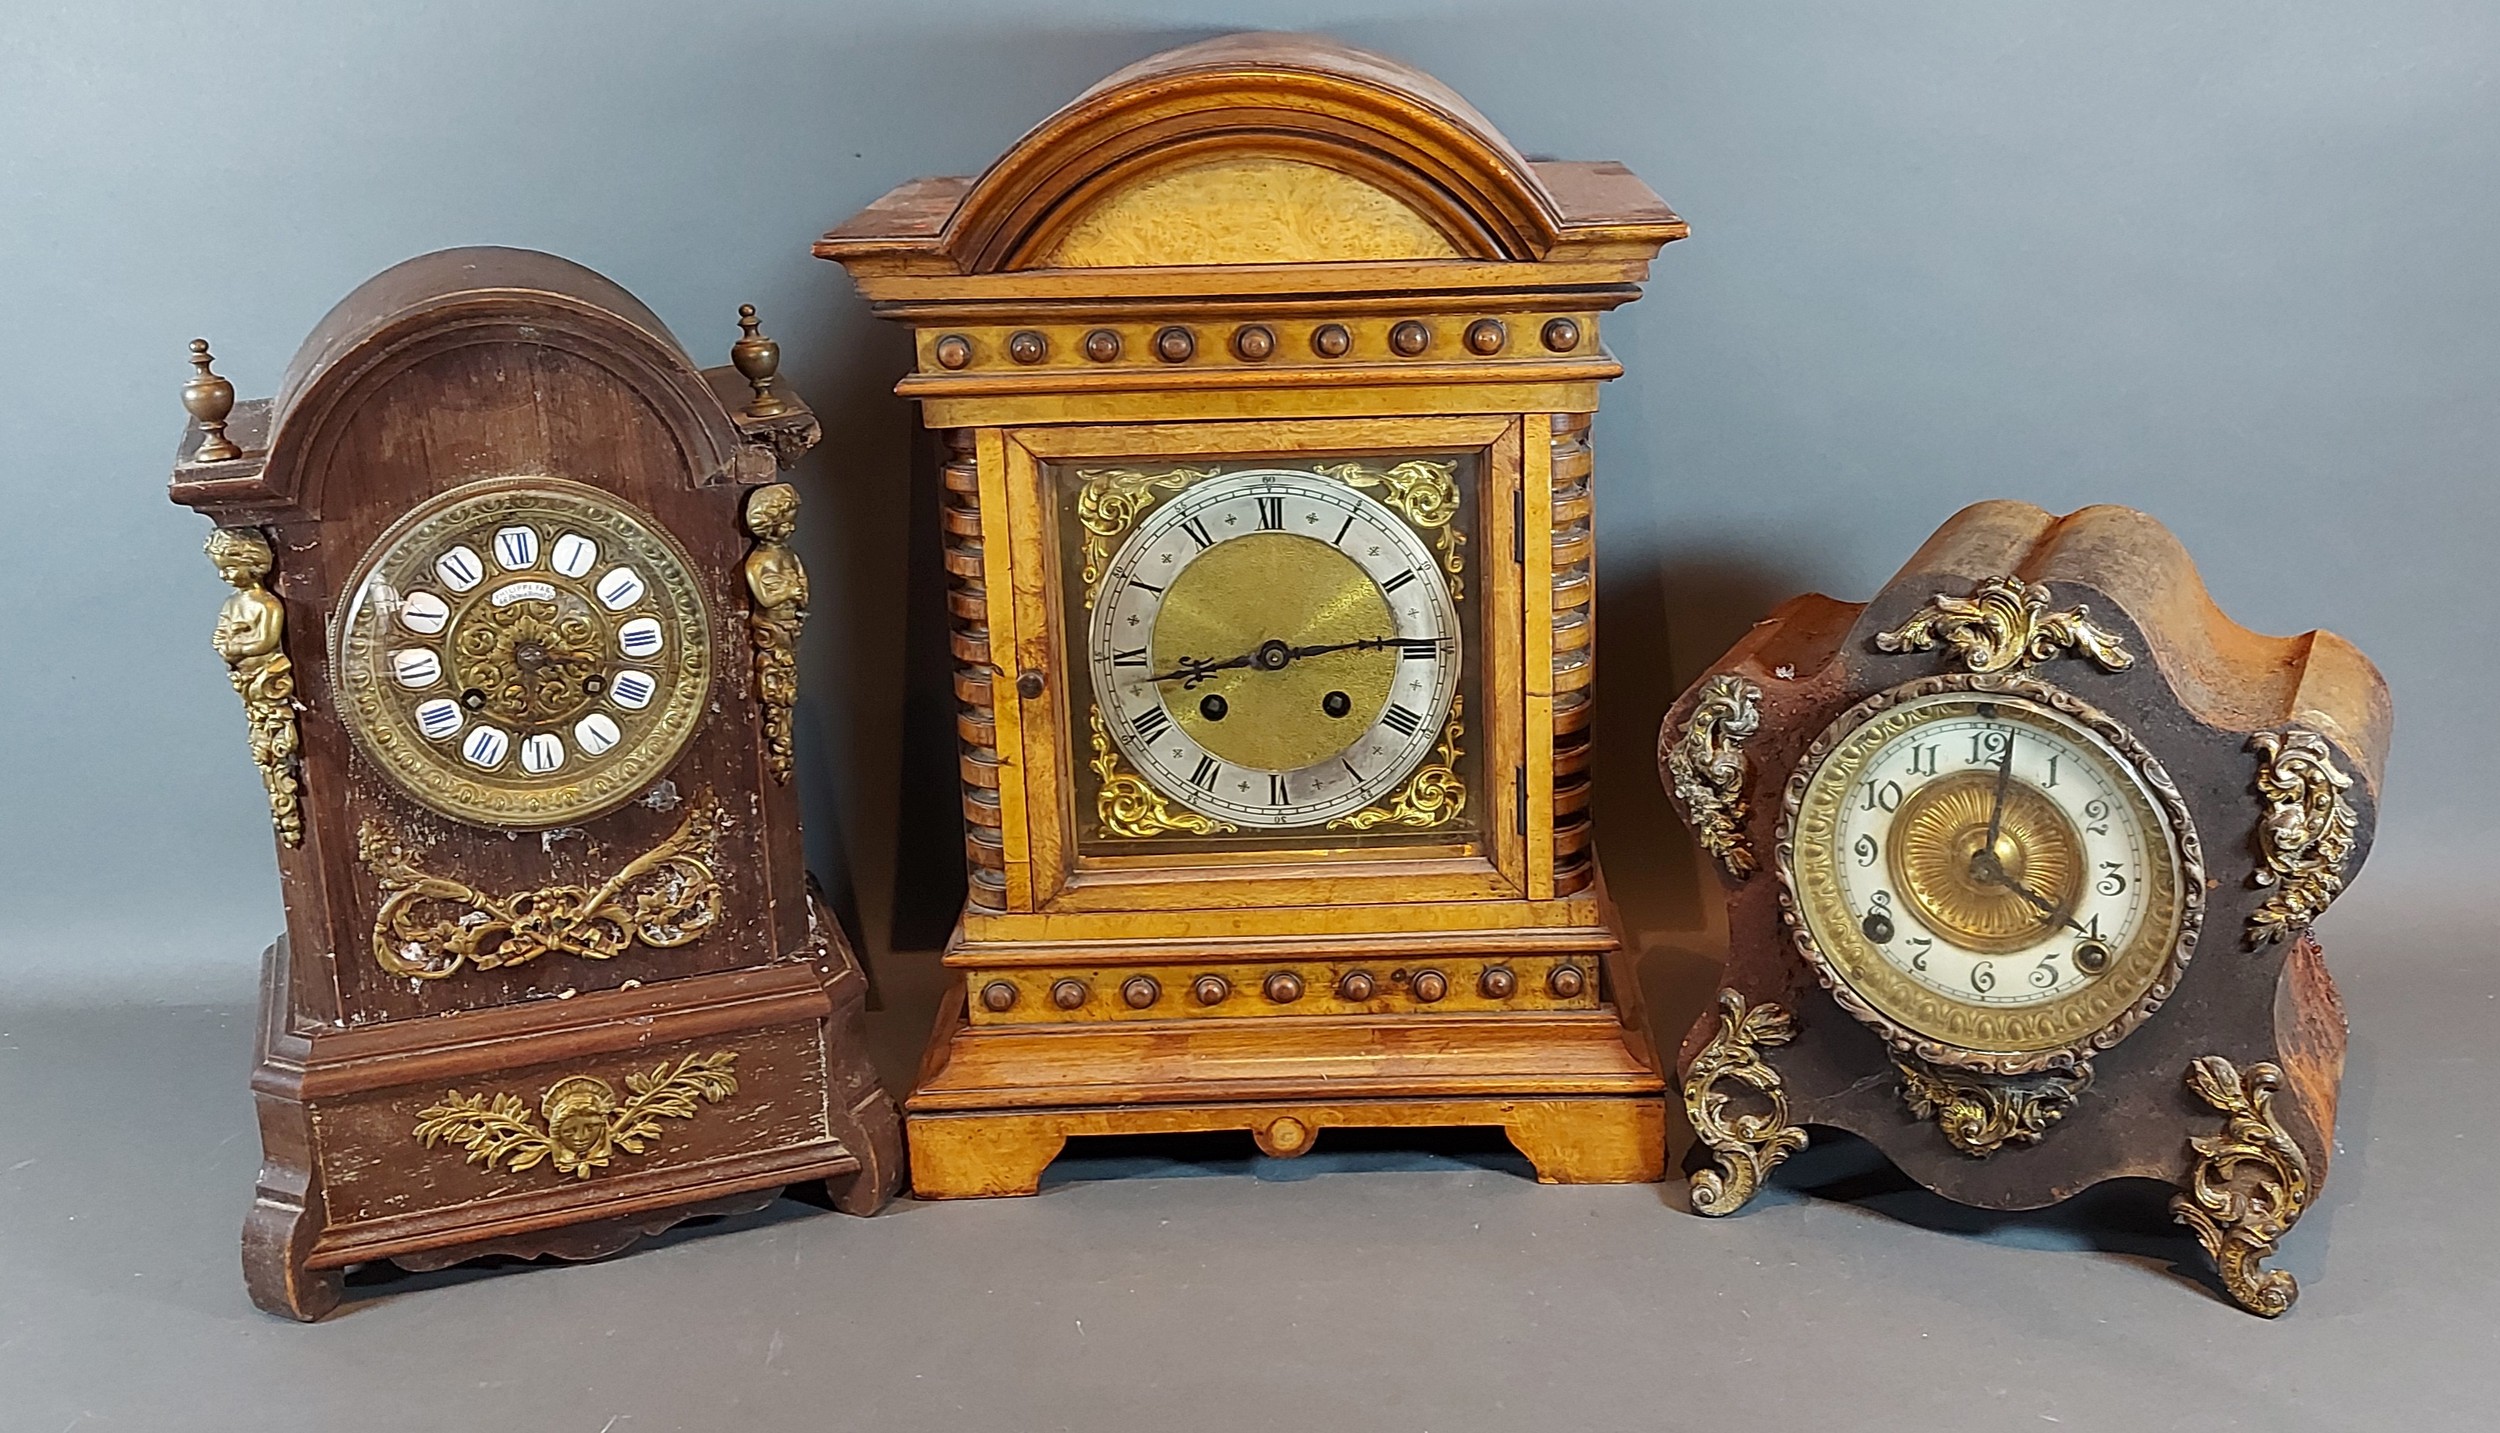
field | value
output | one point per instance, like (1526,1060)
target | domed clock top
(514,623)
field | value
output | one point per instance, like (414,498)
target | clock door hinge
(1519,804)
(1519,526)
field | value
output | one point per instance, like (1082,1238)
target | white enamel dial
(2074,812)
(1274,649)
(1996,870)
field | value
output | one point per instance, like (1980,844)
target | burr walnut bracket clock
(1265,371)
(514,627)
(2021,859)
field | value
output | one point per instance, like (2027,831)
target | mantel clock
(1265,371)
(514,626)
(2021,859)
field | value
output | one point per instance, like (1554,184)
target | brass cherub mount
(777,590)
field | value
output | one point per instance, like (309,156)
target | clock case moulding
(446,369)
(2200,687)
(1255,247)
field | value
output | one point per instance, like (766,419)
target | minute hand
(1996,805)
(1365,645)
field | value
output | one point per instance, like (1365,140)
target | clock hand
(1367,644)
(1996,804)
(1190,671)
(1271,656)
(1986,866)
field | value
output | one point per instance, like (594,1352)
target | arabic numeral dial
(1993,850)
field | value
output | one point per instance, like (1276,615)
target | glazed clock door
(1280,654)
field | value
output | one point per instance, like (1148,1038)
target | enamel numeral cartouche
(1274,648)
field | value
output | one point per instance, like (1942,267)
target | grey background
(2230,263)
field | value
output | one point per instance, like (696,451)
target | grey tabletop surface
(1376,1284)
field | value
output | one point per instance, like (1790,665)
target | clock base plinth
(1579,1093)
(347,1180)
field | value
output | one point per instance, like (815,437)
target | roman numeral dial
(1274,648)
(521,652)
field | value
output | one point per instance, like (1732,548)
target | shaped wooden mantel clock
(2021,859)
(513,626)
(1265,370)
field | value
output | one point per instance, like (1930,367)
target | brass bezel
(2060,1034)
(654,741)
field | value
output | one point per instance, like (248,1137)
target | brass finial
(209,399)
(759,358)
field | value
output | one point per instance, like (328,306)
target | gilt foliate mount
(580,1126)
(1110,500)
(1707,770)
(2005,625)
(2055,829)
(2249,1185)
(2307,836)
(431,927)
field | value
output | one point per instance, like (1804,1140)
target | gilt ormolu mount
(1266,370)
(2074,951)
(512,628)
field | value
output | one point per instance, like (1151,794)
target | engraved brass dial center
(536,659)
(1264,597)
(1986,896)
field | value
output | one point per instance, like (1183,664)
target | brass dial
(523,652)
(1275,596)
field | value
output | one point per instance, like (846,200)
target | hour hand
(1189,671)
(1986,866)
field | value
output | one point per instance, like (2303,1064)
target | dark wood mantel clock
(514,626)
(1265,371)
(2021,859)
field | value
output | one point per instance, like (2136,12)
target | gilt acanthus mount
(2003,626)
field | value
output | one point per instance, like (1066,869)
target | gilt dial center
(1986,895)
(1264,601)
